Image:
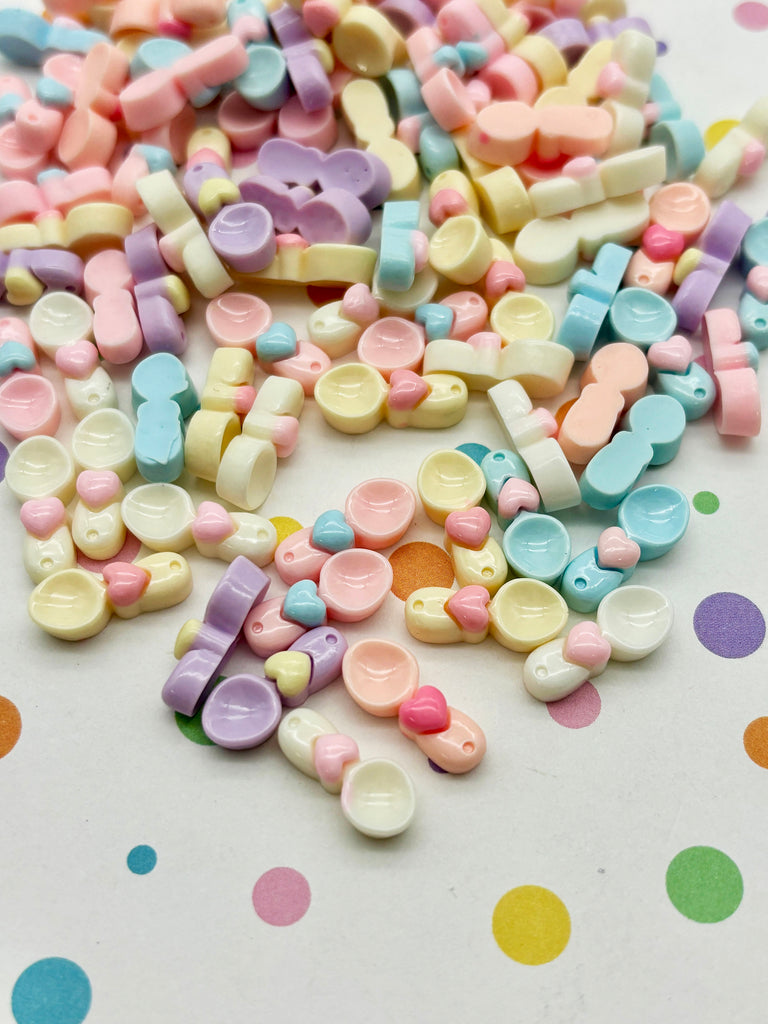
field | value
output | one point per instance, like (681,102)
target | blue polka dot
(475,451)
(51,991)
(141,860)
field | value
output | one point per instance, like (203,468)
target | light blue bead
(448,57)
(397,262)
(683,145)
(154,54)
(9,104)
(754,247)
(277,342)
(604,279)
(73,40)
(655,518)
(642,317)
(660,420)
(15,356)
(437,151)
(661,95)
(163,376)
(497,467)
(303,605)
(158,158)
(23,36)
(245,8)
(436,319)
(537,546)
(204,98)
(612,473)
(694,390)
(403,92)
(474,450)
(264,84)
(753,318)
(581,325)
(50,172)
(53,94)
(585,583)
(159,441)
(331,532)
(473,55)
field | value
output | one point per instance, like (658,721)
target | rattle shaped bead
(304,68)
(87,384)
(699,272)
(377,796)
(228,395)
(302,555)
(499,468)
(678,375)
(354,398)
(382,678)
(738,154)
(614,380)
(280,352)
(591,294)
(730,362)
(537,546)
(530,434)
(323,263)
(476,557)
(97,523)
(308,665)
(625,84)
(631,623)
(653,431)
(203,647)
(163,396)
(47,546)
(594,573)
(159,299)
(28,402)
(73,604)
(652,265)
(109,287)
(400,244)
(162,516)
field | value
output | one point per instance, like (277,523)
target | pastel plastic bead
(104,440)
(477,558)
(642,317)
(726,357)
(741,151)
(655,518)
(47,546)
(537,546)
(380,512)
(58,319)
(163,396)
(447,481)
(40,467)
(236,319)
(97,525)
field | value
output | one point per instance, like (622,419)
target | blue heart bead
(332,532)
(277,342)
(301,604)
(436,319)
(15,356)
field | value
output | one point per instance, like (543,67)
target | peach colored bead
(200,13)
(15,160)
(245,127)
(682,207)
(510,78)
(20,200)
(213,64)
(151,100)
(448,100)
(643,272)
(87,185)
(65,68)
(86,139)
(135,16)
(103,75)
(38,127)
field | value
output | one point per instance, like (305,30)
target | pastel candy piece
(40,467)
(537,546)
(694,390)
(522,316)
(377,798)
(303,605)
(485,566)
(526,613)
(428,619)
(332,754)
(212,524)
(241,712)
(267,631)
(468,527)
(242,234)
(426,711)
(291,671)
(380,675)
(98,489)
(29,405)
(437,320)
(40,517)
(325,648)
(58,319)
(456,749)
(297,557)
(585,645)
(160,515)
(237,319)
(655,518)
(278,341)
(548,675)
(70,604)
(391,343)
(352,397)
(641,317)
(448,480)
(469,607)
(635,621)
(516,496)
(359,305)
(353,584)
(407,390)
(379,511)
(297,735)
(105,440)
(674,355)
(332,533)
(662,244)
(334,215)
(498,467)
(78,360)
(615,550)
(585,582)
(126,582)
(757,283)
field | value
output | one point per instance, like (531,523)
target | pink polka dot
(127,553)
(751,15)
(578,710)
(281,896)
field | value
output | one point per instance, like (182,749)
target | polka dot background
(606,837)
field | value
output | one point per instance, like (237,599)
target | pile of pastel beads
(544,135)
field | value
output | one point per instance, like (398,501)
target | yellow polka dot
(716,131)
(285,526)
(531,925)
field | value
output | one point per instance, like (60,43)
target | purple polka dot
(3,460)
(729,625)
(436,767)
(281,896)
(578,710)
(752,16)
(661,47)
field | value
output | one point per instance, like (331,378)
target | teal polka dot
(141,860)
(474,450)
(51,991)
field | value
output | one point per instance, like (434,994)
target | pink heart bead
(446,203)
(331,754)
(516,495)
(485,341)
(503,276)
(41,516)
(661,244)
(125,583)
(359,305)
(78,360)
(585,645)
(468,527)
(615,550)
(406,390)
(469,607)
(752,158)
(674,354)
(212,524)
(98,487)
(425,712)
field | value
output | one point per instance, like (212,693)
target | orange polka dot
(756,741)
(10,726)
(419,565)
(562,411)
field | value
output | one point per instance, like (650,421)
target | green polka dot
(192,726)
(706,502)
(704,884)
